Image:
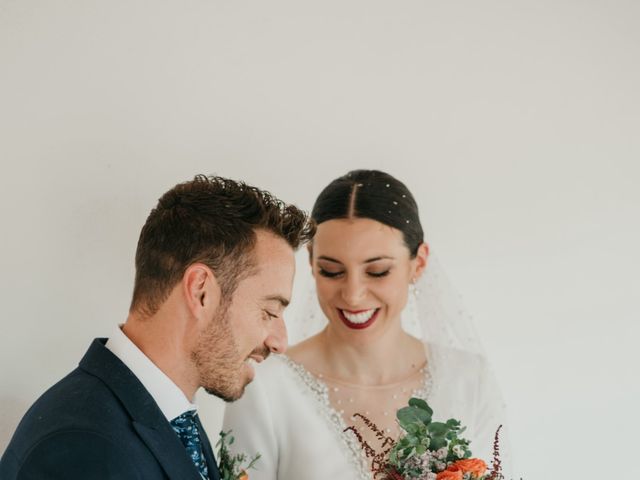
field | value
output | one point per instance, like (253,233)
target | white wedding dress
(289,417)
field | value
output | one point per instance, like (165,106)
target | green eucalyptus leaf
(421,404)
(410,415)
(437,443)
(413,429)
(405,443)
(452,422)
(438,428)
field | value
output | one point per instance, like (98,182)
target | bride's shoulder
(447,355)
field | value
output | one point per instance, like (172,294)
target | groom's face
(249,326)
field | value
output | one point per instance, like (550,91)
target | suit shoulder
(69,453)
(78,392)
(78,402)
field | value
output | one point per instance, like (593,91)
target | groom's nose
(276,340)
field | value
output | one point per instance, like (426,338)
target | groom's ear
(201,291)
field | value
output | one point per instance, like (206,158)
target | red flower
(474,466)
(451,473)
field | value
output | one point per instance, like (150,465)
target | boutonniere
(232,467)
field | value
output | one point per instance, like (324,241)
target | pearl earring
(414,290)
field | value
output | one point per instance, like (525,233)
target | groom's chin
(229,394)
(226,395)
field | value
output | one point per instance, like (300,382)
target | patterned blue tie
(187,429)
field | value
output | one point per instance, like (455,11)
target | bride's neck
(385,359)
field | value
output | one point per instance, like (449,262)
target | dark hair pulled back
(375,195)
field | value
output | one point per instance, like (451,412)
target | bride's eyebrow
(376,259)
(369,260)
(329,259)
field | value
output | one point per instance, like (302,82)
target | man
(214,272)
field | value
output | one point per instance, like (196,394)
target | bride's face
(362,270)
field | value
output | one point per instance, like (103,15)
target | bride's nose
(353,290)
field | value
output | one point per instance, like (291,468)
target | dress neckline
(382,386)
(320,391)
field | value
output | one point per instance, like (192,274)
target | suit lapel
(214,473)
(147,418)
(169,453)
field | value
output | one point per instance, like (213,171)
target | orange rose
(450,473)
(243,476)
(474,466)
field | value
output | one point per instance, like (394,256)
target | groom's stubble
(218,360)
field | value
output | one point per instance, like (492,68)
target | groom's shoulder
(79,411)
(79,400)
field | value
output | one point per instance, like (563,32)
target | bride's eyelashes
(329,274)
(383,273)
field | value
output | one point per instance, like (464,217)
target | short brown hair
(211,220)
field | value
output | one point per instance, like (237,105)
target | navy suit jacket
(99,422)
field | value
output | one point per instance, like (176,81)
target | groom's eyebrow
(277,298)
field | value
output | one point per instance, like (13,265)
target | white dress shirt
(171,400)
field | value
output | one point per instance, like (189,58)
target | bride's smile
(362,270)
(358,319)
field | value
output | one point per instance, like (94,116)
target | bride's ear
(420,261)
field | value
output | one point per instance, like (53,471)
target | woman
(367,255)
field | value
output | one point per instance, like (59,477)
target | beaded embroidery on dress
(338,409)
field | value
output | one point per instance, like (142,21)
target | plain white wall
(515,123)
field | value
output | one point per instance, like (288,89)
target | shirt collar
(171,400)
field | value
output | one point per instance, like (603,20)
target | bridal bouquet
(231,466)
(426,450)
